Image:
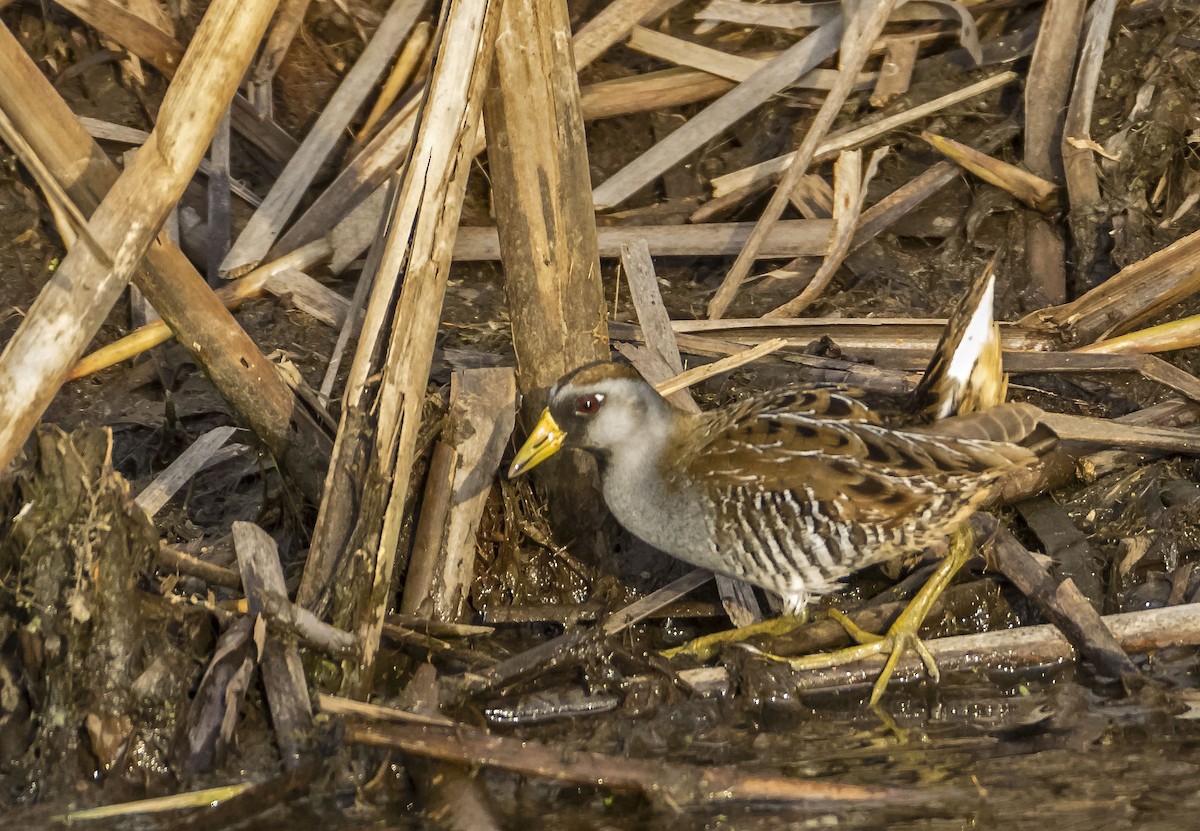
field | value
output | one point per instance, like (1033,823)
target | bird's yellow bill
(545,440)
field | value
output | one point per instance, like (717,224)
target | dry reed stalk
(1029,646)
(55,140)
(228,297)
(1034,191)
(612,24)
(282,672)
(850,192)
(358,527)
(1047,87)
(547,237)
(1132,295)
(764,172)
(77,298)
(289,188)
(159,49)
(287,23)
(895,73)
(776,76)
(408,64)
(860,33)
(1079,167)
(483,405)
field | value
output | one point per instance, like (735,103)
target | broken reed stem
(265,226)
(860,34)
(850,191)
(405,68)
(232,296)
(1034,191)
(1175,334)
(77,298)
(1133,294)
(1011,649)
(369,480)
(702,373)
(1079,164)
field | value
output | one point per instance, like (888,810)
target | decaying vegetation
(325,258)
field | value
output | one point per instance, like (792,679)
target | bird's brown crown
(593,373)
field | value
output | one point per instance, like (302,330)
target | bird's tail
(965,374)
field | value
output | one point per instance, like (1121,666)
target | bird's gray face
(602,415)
(599,408)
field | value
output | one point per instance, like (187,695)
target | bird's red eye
(588,404)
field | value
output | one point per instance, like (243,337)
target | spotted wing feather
(800,500)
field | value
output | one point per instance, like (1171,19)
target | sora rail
(791,491)
(798,488)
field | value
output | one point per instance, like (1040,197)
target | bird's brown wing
(1012,423)
(855,469)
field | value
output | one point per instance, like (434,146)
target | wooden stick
(696,55)
(759,88)
(220,207)
(159,492)
(339,706)
(268,221)
(860,34)
(78,296)
(1071,554)
(809,15)
(1134,294)
(283,674)
(1048,86)
(791,238)
(386,151)
(1029,646)
(848,139)
(676,783)
(108,131)
(483,405)
(383,155)
(1061,601)
(652,315)
(377,439)
(184,563)
(910,336)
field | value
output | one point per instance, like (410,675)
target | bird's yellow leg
(860,635)
(707,646)
(902,634)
